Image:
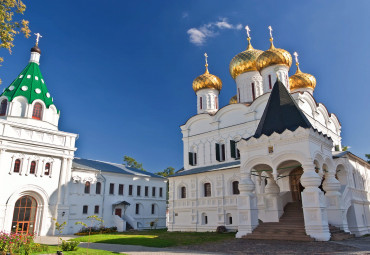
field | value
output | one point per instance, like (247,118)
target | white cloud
(199,35)
(185,15)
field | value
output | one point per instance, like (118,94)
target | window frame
(192,158)
(234,151)
(160,192)
(47,169)
(153,209)
(87,187)
(138,190)
(130,189)
(37,111)
(253,92)
(146,191)
(207,189)
(153,191)
(33,167)
(120,189)
(137,209)
(98,188)
(17,166)
(220,152)
(111,188)
(235,188)
(3,107)
(96,209)
(85,209)
(270,83)
(183,192)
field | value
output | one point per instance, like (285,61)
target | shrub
(221,229)
(70,245)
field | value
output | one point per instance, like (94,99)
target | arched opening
(204,219)
(295,183)
(87,188)
(17,166)
(47,169)
(351,219)
(98,188)
(183,192)
(37,111)
(235,185)
(207,189)
(33,167)
(3,107)
(24,215)
(229,219)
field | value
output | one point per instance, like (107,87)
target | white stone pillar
(336,215)
(247,205)
(274,207)
(314,204)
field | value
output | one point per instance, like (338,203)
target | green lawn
(157,238)
(80,251)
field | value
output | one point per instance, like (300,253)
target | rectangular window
(138,191)
(111,188)
(206,219)
(120,189)
(130,188)
(238,95)
(216,102)
(192,158)
(253,92)
(183,192)
(153,191)
(84,209)
(207,189)
(146,191)
(137,209)
(270,84)
(234,150)
(153,208)
(220,152)
(201,103)
(160,192)
(96,209)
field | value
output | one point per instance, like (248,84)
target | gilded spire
(250,47)
(206,56)
(296,62)
(271,38)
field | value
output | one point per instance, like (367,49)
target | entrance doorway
(295,183)
(24,215)
(118,212)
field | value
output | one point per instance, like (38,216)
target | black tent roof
(281,113)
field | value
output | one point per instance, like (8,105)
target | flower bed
(19,244)
(96,230)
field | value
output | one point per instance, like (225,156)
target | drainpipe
(102,208)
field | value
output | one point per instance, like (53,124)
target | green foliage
(368,158)
(10,10)
(344,148)
(167,172)
(131,162)
(70,245)
(16,243)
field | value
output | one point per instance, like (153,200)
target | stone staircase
(290,227)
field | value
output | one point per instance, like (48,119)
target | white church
(42,180)
(270,163)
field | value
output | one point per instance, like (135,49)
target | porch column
(314,205)
(247,205)
(274,208)
(336,215)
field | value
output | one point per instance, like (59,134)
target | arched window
(204,219)
(3,106)
(33,167)
(207,189)
(17,166)
(236,188)
(37,111)
(87,188)
(47,169)
(183,192)
(98,188)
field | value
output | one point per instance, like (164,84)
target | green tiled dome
(29,84)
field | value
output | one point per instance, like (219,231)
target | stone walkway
(354,246)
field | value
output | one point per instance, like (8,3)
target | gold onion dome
(273,56)
(301,80)
(244,61)
(207,80)
(233,100)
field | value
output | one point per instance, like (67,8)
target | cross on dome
(248,30)
(270,28)
(38,35)
(206,56)
(296,58)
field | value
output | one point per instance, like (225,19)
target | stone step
(338,234)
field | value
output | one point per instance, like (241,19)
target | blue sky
(121,72)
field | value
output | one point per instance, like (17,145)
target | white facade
(41,180)
(335,185)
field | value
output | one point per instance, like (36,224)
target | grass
(158,238)
(80,251)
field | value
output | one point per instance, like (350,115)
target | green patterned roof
(29,84)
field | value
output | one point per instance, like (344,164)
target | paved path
(142,250)
(52,240)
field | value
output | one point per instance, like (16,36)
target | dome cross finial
(270,28)
(248,30)
(206,57)
(296,61)
(271,38)
(38,35)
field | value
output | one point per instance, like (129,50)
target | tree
(344,148)
(93,219)
(131,162)
(368,158)
(167,172)
(10,10)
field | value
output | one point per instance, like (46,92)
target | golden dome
(233,100)
(301,80)
(207,80)
(273,56)
(244,61)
